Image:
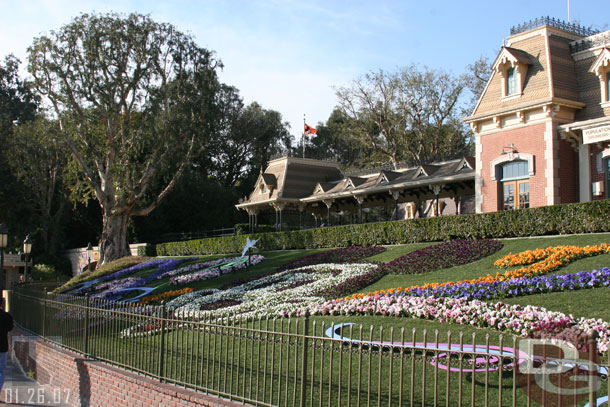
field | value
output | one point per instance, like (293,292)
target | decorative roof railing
(599,40)
(553,22)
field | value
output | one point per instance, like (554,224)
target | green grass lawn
(485,266)
(578,303)
(589,303)
(245,363)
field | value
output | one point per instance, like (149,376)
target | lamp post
(89,255)
(27,249)
(366,214)
(3,241)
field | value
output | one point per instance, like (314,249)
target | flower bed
(350,254)
(114,289)
(443,255)
(133,269)
(525,321)
(213,269)
(516,287)
(352,284)
(267,296)
(108,289)
(164,296)
(555,257)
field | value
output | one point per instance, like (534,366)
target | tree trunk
(113,244)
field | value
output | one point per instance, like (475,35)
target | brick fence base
(86,382)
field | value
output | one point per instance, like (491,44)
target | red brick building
(542,124)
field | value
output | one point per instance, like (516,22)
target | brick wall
(93,383)
(568,173)
(530,140)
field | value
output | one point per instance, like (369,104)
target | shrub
(243,228)
(61,264)
(587,217)
(44,272)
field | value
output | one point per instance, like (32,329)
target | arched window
(514,186)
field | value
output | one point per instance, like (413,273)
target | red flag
(310,130)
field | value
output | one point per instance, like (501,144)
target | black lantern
(3,242)
(89,255)
(27,249)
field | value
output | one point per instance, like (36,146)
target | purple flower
(443,255)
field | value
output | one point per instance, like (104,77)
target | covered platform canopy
(319,188)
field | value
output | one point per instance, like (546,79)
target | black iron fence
(182,236)
(307,361)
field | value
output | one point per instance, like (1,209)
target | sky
(291,55)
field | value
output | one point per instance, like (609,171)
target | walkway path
(20,390)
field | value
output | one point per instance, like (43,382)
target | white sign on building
(595,135)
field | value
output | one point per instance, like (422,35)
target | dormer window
(512,66)
(262,188)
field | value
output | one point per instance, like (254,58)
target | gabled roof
(290,179)
(322,187)
(601,62)
(512,55)
(425,170)
(553,75)
(386,176)
(459,170)
(466,163)
(269,180)
(353,182)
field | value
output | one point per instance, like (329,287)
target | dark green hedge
(243,228)
(589,217)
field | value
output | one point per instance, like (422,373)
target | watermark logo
(24,349)
(557,373)
(29,393)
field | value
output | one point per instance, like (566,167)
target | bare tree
(406,115)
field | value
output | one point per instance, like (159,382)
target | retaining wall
(79,381)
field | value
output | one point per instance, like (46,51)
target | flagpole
(303,136)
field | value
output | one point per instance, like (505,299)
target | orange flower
(538,261)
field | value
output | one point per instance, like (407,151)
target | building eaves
(519,55)
(524,106)
(439,173)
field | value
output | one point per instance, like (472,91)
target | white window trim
(501,67)
(601,68)
(530,158)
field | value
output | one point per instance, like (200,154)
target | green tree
(39,163)
(132,98)
(17,106)
(408,115)
(330,143)
(245,138)
(17,102)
